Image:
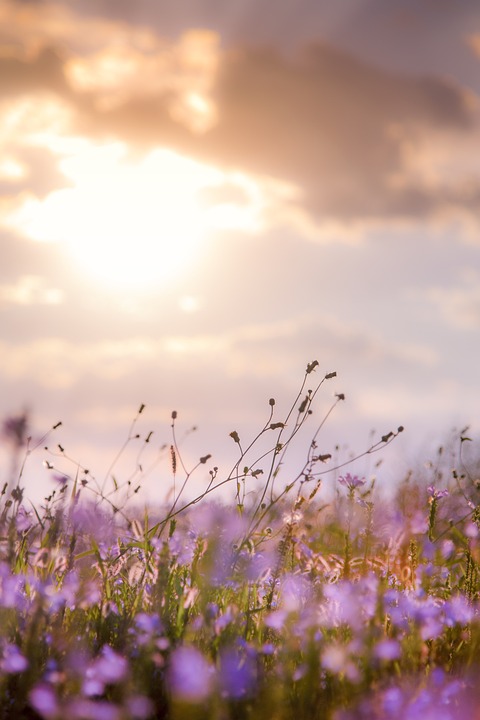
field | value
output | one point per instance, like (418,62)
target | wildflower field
(305,596)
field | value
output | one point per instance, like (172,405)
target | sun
(138,223)
(134,223)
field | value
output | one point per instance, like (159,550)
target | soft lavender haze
(198,198)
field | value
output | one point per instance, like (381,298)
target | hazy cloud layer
(350,136)
(337,128)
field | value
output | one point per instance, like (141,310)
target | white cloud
(30,290)
(37,119)
(11,169)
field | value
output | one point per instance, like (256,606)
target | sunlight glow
(30,290)
(138,222)
(11,169)
(126,219)
(189,304)
(127,223)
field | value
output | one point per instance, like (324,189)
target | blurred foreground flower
(14,429)
(190,675)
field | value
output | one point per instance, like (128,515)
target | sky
(197,199)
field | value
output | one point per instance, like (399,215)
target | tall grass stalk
(308,594)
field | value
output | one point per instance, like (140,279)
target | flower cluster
(123,625)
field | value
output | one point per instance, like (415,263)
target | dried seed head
(173,457)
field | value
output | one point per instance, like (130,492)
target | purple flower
(387,650)
(237,674)
(337,659)
(471,530)
(458,611)
(393,701)
(88,594)
(351,481)
(418,524)
(224,620)
(12,593)
(13,661)
(140,707)
(43,700)
(276,619)
(92,710)
(92,686)
(349,603)
(294,592)
(334,658)
(147,627)
(23,519)
(268,649)
(435,494)
(109,667)
(190,675)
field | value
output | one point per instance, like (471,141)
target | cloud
(31,124)
(108,62)
(352,139)
(181,73)
(29,170)
(30,290)
(60,363)
(56,363)
(26,28)
(43,72)
(342,132)
(474,44)
(334,126)
(221,380)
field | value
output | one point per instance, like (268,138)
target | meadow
(312,595)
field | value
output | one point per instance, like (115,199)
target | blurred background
(199,198)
